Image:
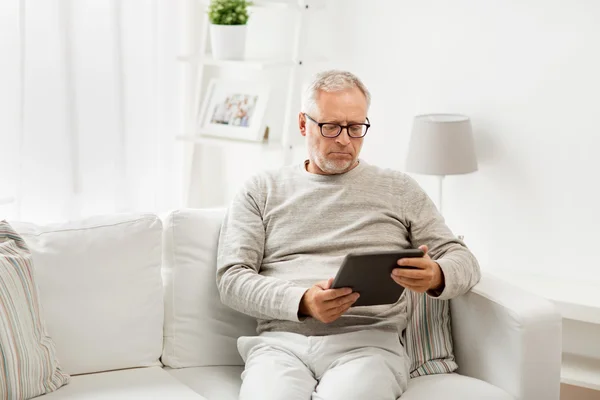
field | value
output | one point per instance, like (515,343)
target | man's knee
(276,377)
(365,378)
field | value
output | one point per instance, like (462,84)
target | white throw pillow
(199,329)
(100,285)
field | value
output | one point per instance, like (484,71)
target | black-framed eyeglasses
(331,130)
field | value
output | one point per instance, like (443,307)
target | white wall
(526,72)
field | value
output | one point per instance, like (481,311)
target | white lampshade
(441,144)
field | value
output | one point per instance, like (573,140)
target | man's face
(334,155)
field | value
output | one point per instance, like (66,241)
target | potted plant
(228,20)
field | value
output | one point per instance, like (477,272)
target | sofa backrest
(112,286)
(199,329)
(100,289)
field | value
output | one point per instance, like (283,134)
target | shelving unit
(253,64)
(281,4)
(202,60)
(576,301)
(580,371)
(269,145)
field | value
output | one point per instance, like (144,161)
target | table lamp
(441,144)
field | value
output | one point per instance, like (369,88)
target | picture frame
(235,109)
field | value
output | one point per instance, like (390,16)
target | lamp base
(441,193)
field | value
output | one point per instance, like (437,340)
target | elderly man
(283,240)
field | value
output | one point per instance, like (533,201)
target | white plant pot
(228,41)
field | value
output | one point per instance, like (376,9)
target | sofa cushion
(199,329)
(219,383)
(28,364)
(101,290)
(140,383)
(452,387)
(223,383)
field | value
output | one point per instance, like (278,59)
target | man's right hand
(325,304)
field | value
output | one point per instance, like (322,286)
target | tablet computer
(369,275)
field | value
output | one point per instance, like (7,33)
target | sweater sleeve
(239,259)
(427,227)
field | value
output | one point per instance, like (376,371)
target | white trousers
(368,364)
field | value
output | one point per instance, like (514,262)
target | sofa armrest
(508,337)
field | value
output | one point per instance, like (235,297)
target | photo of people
(235,110)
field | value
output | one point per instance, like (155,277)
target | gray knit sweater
(288,229)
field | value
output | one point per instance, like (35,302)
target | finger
(334,313)
(409,281)
(330,294)
(411,273)
(425,251)
(340,301)
(338,311)
(420,262)
(415,287)
(329,283)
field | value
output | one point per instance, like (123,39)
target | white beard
(326,165)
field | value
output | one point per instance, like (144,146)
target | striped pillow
(429,335)
(28,365)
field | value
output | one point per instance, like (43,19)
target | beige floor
(568,392)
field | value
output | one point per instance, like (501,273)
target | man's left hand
(428,276)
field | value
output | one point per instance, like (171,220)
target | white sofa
(121,293)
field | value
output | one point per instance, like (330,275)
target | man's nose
(343,138)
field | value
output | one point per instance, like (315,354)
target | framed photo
(234,109)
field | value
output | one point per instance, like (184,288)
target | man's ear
(302,124)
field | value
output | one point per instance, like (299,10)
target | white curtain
(90,105)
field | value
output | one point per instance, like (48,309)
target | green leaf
(228,12)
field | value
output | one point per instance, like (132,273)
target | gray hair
(331,81)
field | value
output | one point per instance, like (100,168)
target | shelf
(264,4)
(4,200)
(275,4)
(251,63)
(274,145)
(580,371)
(281,4)
(574,300)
